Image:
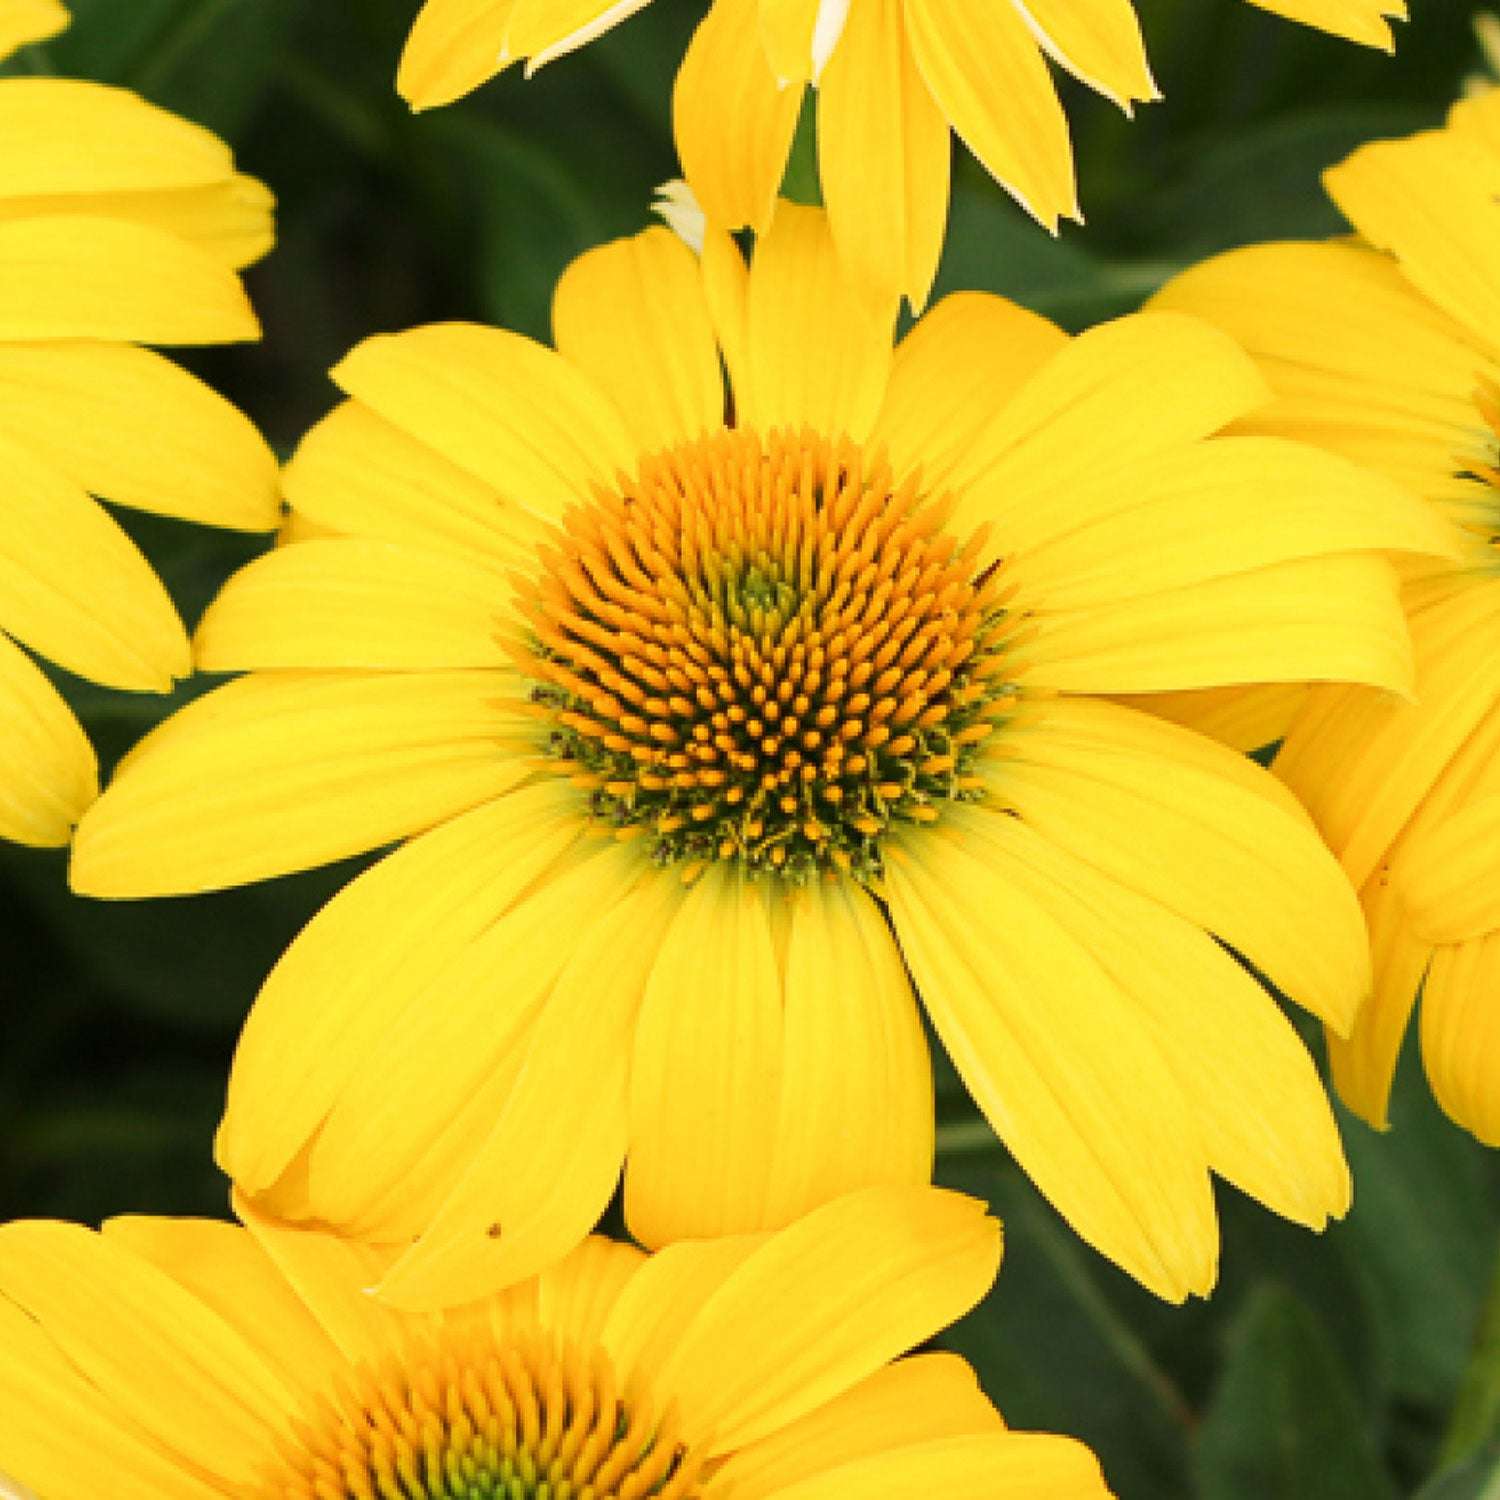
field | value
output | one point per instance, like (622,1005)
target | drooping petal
(1244,718)
(373,952)
(74,588)
(1213,842)
(541,30)
(1461,1033)
(346,762)
(551,1161)
(732,120)
(1449,876)
(1099,42)
(1078,1092)
(984,68)
(705,1077)
(856,1085)
(73,277)
(514,414)
(131,426)
(911,1401)
(358,474)
(1433,201)
(27,21)
(1359,20)
(632,315)
(356,604)
(785,1332)
(883,157)
(454,46)
(48,771)
(154,1352)
(816,353)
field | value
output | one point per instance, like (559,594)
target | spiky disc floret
(763,649)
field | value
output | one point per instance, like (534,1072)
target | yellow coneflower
(184,1359)
(120,225)
(894,77)
(1389,350)
(708,730)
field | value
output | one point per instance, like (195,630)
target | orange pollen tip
(753,626)
(464,1416)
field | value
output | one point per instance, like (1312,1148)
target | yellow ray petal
(342,762)
(1433,201)
(1358,20)
(1244,718)
(952,373)
(386,1161)
(986,72)
(726,287)
(514,414)
(816,353)
(355,603)
(1313,618)
(65,135)
(1211,840)
(132,427)
(1099,42)
(546,1171)
(1074,1086)
(1449,874)
(1270,501)
(1478,116)
(225,1269)
(1461,1033)
(856,1081)
(542,30)
(706,1072)
(357,474)
(785,1333)
(1081,416)
(883,157)
(632,316)
(67,277)
(786,32)
(1251,1087)
(374,951)
(74,588)
(454,46)
(95,1451)
(331,1275)
(48,773)
(1363,762)
(575,1296)
(733,122)
(994,1466)
(911,1401)
(1364,1063)
(147,1345)
(27,21)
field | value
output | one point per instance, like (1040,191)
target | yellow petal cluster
(120,225)
(893,79)
(656,902)
(1386,351)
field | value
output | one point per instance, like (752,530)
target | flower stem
(1476,1413)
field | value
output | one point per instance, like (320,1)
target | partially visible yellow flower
(1388,351)
(894,77)
(184,1359)
(120,225)
(25,21)
(705,732)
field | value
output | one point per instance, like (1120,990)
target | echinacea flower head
(704,729)
(1388,350)
(893,79)
(120,225)
(186,1359)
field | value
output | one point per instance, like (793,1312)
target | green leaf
(1284,1423)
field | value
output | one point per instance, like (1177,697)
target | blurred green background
(1323,1368)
